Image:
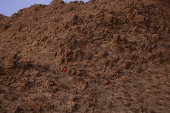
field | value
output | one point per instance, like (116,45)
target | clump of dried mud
(98,57)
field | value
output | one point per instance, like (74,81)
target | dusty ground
(109,56)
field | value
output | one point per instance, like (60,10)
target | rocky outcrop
(86,57)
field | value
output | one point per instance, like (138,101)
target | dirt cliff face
(98,57)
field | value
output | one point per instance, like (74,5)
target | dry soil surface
(108,56)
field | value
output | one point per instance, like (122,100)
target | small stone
(115,21)
(118,98)
(79,73)
(84,87)
(80,53)
(35,43)
(128,16)
(73,72)
(25,60)
(95,75)
(152,57)
(60,52)
(48,105)
(141,60)
(106,82)
(98,42)
(138,18)
(73,97)
(38,106)
(8,64)
(50,83)
(3,96)
(115,59)
(2,55)
(152,111)
(54,2)
(89,55)
(68,70)
(107,17)
(123,78)
(38,74)
(105,63)
(97,111)
(68,52)
(110,104)
(134,110)
(2,90)
(29,108)
(127,104)
(104,53)
(89,89)
(60,60)
(116,38)
(10,98)
(18,109)
(127,65)
(124,39)
(12,55)
(86,83)
(151,30)
(139,69)
(72,106)
(139,100)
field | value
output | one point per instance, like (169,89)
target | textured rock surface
(100,57)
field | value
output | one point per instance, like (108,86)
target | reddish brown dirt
(109,56)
